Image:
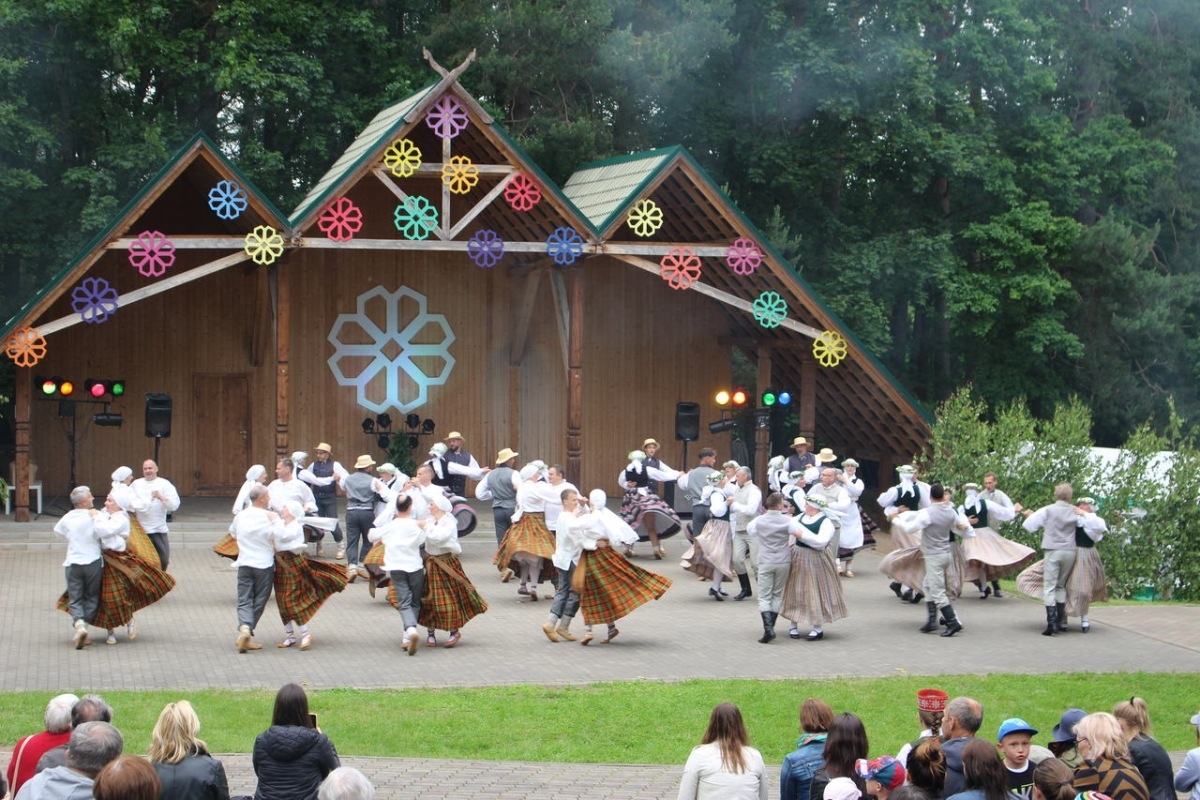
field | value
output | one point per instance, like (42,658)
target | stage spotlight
(412,421)
(384,420)
(722,425)
(427,426)
(368,425)
(383,441)
(107,420)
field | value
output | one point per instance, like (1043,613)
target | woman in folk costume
(390,486)
(302,584)
(989,555)
(908,495)
(813,594)
(257,474)
(132,578)
(851,539)
(712,554)
(777,474)
(402,540)
(609,586)
(450,599)
(1087,582)
(642,509)
(528,546)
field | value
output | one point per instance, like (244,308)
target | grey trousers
(409,588)
(744,548)
(934,585)
(700,517)
(566,599)
(503,519)
(83,589)
(358,523)
(163,546)
(1055,569)
(253,591)
(771,580)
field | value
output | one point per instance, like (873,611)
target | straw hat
(826,456)
(324,446)
(649,442)
(506,455)
(363,462)
(453,435)
(799,440)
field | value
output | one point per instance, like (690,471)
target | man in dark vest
(460,465)
(500,486)
(325,476)
(693,483)
(800,460)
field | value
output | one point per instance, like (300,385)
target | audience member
(1052,780)
(1062,737)
(181,759)
(1106,767)
(927,767)
(1014,740)
(881,775)
(1187,779)
(89,708)
(346,783)
(1145,752)
(960,723)
(845,745)
(28,750)
(91,746)
(910,792)
(800,765)
(724,766)
(931,704)
(292,757)
(984,776)
(128,778)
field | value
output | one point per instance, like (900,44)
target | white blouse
(705,778)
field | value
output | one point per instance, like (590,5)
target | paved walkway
(187,641)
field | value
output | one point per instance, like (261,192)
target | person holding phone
(292,757)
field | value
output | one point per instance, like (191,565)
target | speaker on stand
(687,429)
(158,419)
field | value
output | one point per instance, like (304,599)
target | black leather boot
(744,580)
(996,589)
(1051,616)
(768,627)
(895,586)
(953,626)
(1060,620)
(916,598)
(932,624)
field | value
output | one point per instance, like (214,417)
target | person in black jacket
(1151,759)
(292,757)
(181,759)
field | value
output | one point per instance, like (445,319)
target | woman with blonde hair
(1150,758)
(1106,767)
(181,759)
(724,765)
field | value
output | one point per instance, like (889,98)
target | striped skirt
(530,535)
(712,551)
(302,584)
(907,566)
(610,587)
(1087,583)
(813,594)
(902,539)
(132,580)
(450,599)
(636,507)
(991,557)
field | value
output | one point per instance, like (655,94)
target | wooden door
(222,433)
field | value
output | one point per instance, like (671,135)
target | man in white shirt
(744,506)
(258,531)
(84,565)
(325,476)
(156,499)
(287,486)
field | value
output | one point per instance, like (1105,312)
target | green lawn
(638,722)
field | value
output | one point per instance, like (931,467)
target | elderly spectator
(89,708)
(128,778)
(28,750)
(960,723)
(346,783)
(91,747)
(1106,767)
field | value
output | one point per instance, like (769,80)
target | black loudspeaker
(687,422)
(158,416)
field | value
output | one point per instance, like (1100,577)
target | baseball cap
(885,769)
(1015,725)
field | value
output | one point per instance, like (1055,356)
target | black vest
(1082,539)
(457,483)
(640,477)
(442,479)
(910,501)
(323,470)
(981,515)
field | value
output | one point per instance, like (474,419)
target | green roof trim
(120,218)
(603,190)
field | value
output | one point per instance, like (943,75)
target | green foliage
(401,455)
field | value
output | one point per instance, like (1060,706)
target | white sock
(287,629)
(303,630)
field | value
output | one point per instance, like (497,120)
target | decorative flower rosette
(152,254)
(340,220)
(94,300)
(447,118)
(416,218)
(743,256)
(264,244)
(460,174)
(522,193)
(26,347)
(485,248)
(564,246)
(770,310)
(645,218)
(227,200)
(680,268)
(402,158)
(829,349)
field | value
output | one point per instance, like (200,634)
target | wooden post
(762,433)
(574,276)
(283,348)
(23,408)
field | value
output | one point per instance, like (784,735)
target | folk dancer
(556,482)
(84,565)
(158,583)
(402,540)
(693,483)
(389,483)
(837,499)
(938,524)
(851,536)
(774,532)
(801,459)
(500,486)
(908,495)
(255,476)
(744,506)
(993,494)
(990,556)
(642,509)
(569,533)
(461,465)
(131,579)
(610,587)
(1087,582)
(258,531)
(450,600)
(813,595)
(287,486)
(325,476)
(156,499)
(301,584)
(712,554)
(361,497)
(777,474)
(528,546)
(1057,523)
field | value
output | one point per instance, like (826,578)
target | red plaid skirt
(227,547)
(450,599)
(302,584)
(610,587)
(529,534)
(129,583)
